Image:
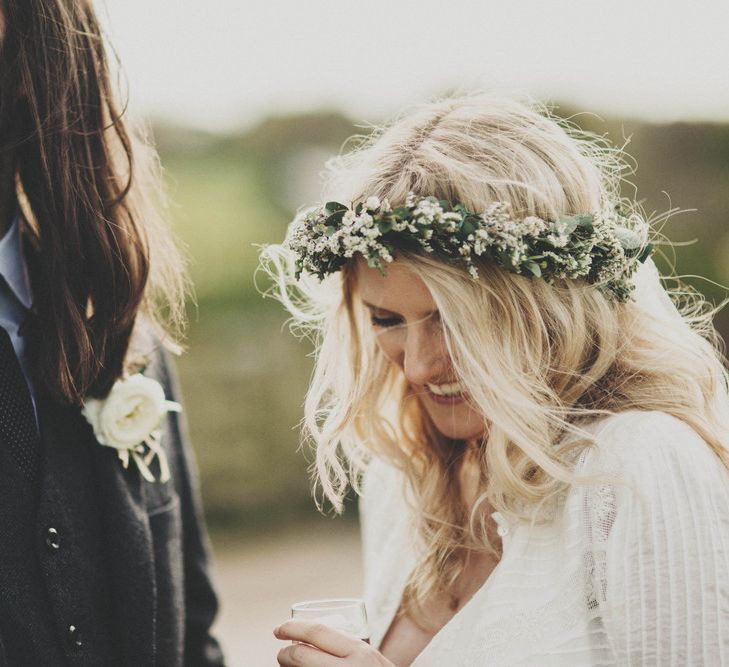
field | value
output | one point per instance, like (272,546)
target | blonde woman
(538,434)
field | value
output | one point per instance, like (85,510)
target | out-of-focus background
(246,101)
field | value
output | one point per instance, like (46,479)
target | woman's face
(408,328)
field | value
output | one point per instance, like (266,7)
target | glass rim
(326,604)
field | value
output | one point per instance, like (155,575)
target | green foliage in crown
(604,250)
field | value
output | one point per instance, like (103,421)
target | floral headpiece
(604,249)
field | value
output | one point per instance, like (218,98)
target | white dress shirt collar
(12,265)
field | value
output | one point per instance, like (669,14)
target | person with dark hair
(104,556)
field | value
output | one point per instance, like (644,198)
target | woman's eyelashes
(385,321)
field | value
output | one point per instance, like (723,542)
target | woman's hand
(327,648)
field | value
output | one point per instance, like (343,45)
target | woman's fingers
(323,637)
(301,655)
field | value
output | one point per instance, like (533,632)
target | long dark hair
(103,253)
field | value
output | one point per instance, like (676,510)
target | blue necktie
(19,436)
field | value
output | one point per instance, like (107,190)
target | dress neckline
(505,531)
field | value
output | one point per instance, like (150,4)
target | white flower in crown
(372,203)
(129,420)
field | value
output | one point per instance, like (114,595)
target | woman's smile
(446,394)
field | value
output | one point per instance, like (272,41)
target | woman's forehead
(399,290)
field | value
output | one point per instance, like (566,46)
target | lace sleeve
(660,559)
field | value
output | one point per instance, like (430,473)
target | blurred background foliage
(245,376)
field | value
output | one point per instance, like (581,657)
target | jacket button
(74,637)
(53,540)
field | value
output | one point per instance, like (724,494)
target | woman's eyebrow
(371,306)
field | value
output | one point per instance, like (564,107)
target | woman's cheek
(390,346)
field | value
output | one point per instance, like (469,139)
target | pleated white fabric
(632,571)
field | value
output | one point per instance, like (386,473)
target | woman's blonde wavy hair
(537,360)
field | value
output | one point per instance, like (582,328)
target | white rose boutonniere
(129,420)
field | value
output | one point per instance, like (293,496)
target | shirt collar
(12,264)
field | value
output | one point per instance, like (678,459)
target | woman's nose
(424,358)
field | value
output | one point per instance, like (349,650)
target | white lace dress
(626,574)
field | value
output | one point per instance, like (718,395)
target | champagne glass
(343,614)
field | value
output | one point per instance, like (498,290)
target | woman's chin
(456,420)
(455,433)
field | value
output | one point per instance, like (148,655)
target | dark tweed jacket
(98,566)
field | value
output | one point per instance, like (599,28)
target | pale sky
(221,64)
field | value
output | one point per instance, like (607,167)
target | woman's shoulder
(638,438)
(653,457)
(650,476)
(654,539)
(648,424)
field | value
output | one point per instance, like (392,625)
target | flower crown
(604,249)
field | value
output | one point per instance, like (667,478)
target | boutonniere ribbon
(129,420)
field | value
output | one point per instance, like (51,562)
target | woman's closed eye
(385,321)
